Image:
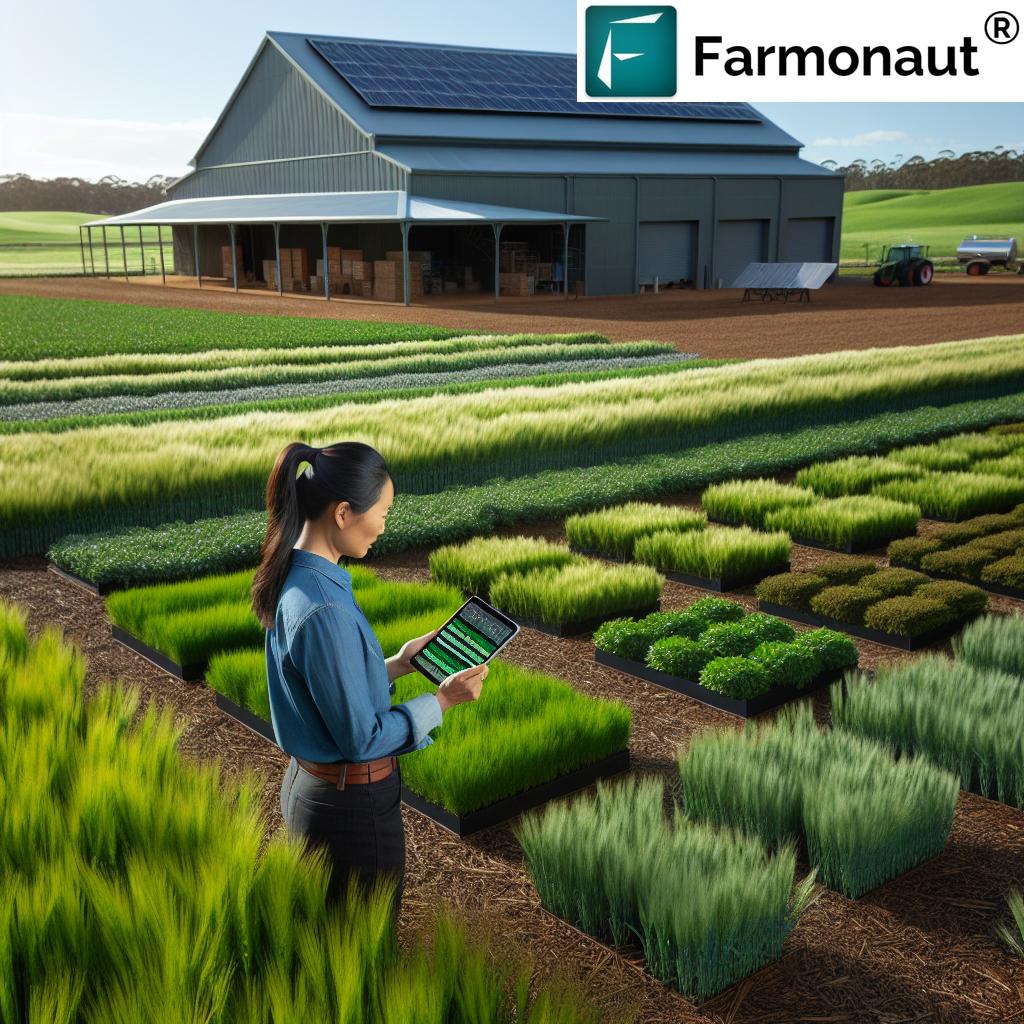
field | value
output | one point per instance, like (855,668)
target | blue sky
(116,87)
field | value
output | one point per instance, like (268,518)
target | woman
(328,679)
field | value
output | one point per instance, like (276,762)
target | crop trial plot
(717,653)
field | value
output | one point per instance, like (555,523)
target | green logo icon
(630,51)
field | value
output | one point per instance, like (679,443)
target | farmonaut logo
(630,51)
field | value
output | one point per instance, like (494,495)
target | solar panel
(790,276)
(507,81)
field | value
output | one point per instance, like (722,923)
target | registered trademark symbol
(1002,27)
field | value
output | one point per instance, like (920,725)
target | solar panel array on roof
(506,81)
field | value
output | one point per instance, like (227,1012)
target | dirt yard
(850,314)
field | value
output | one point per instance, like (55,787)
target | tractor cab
(904,264)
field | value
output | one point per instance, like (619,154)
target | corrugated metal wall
(528,191)
(611,244)
(359,172)
(278,113)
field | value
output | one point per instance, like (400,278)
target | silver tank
(996,250)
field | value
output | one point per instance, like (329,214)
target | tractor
(904,264)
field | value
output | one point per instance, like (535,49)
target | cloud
(51,146)
(863,139)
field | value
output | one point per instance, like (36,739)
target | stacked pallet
(225,261)
(388,283)
(516,284)
(334,268)
(295,269)
(362,270)
(415,257)
(348,256)
(270,273)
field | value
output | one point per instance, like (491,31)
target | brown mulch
(848,315)
(921,948)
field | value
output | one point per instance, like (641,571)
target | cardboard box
(388,281)
(294,264)
(225,262)
(516,284)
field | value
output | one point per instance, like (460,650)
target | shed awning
(334,207)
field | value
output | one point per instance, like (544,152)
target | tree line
(947,170)
(110,195)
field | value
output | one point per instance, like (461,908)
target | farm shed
(490,175)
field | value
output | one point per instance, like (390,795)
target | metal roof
(593,160)
(483,127)
(333,207)
(428,76)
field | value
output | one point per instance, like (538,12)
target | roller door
(668,251)
(808,240)
(739,242)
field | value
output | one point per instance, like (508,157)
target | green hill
(939,218)
(17,226)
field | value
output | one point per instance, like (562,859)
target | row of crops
(137,448)
(120,475)
(136,886)
(749,802)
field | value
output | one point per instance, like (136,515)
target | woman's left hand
(413,647)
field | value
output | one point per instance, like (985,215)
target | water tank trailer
(980,253)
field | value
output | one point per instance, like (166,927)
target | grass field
(939,218)
(46,242)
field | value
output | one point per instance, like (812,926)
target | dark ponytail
(349,471)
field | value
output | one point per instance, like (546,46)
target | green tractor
(904,265)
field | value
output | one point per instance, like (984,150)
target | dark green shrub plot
(716,643)
(707,908)
(139,886)
(900,602)
(963,717)
(862,817)
(987,549)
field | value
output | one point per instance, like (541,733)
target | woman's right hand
(461,687)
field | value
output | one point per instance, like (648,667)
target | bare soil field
(920,948)
(849,314)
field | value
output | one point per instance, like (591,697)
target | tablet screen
(471,636)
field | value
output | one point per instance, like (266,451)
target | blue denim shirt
(330,696)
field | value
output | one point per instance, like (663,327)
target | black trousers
(360,826)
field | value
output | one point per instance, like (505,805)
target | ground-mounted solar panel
(785,281)
(504,81)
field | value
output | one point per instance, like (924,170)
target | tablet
(472,636)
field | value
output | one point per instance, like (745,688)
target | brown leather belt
(341,773)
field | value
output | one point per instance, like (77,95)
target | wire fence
(137,257)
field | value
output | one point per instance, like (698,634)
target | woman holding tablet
(328,680)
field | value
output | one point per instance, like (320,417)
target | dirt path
(921,948)
(850,314)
